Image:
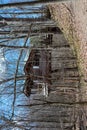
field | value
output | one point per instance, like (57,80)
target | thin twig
(15,80)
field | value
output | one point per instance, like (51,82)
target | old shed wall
(71,17)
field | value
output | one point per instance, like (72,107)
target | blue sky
(10,1)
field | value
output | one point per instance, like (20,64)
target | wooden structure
(37,69)
(57,111)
